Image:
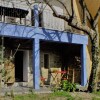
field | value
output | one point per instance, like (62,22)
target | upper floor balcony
(21,16)
(14,16)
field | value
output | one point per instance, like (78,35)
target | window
(46,61)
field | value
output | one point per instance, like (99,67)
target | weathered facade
(39,42)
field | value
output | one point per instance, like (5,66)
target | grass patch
(97,93)
(58,95)
(95,98)
(53,96)
(25,97)
(63,94)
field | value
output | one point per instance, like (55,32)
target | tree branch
(82,4)
(78,26)
(55,12)
(96,18)
(64,7)
(72,6)
(83,28)
(86,14)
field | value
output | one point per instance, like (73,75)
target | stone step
(20,84)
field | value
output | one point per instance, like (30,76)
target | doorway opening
(19,66)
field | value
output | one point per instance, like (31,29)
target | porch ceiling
(14,42)
(51,46)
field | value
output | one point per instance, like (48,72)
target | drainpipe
(36,16)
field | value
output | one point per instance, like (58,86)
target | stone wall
(54,59)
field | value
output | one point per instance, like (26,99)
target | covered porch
(60,39)
(60,57)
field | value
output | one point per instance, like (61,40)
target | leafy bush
(67,86)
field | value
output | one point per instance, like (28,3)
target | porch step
(81,88)
(20,84)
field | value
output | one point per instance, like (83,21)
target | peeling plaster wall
(49,21)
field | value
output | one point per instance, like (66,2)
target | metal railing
(15,16)
(26,17)
(16,13)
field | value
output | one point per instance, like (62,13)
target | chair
(42,81)
(70,75)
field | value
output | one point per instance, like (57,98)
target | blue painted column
(83,66)
(36,64)
(36,16)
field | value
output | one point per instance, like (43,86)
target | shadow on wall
(57,35)
(19,31)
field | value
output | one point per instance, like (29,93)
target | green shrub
(67,86)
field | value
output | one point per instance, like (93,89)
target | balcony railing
(14,16)
(26,17)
